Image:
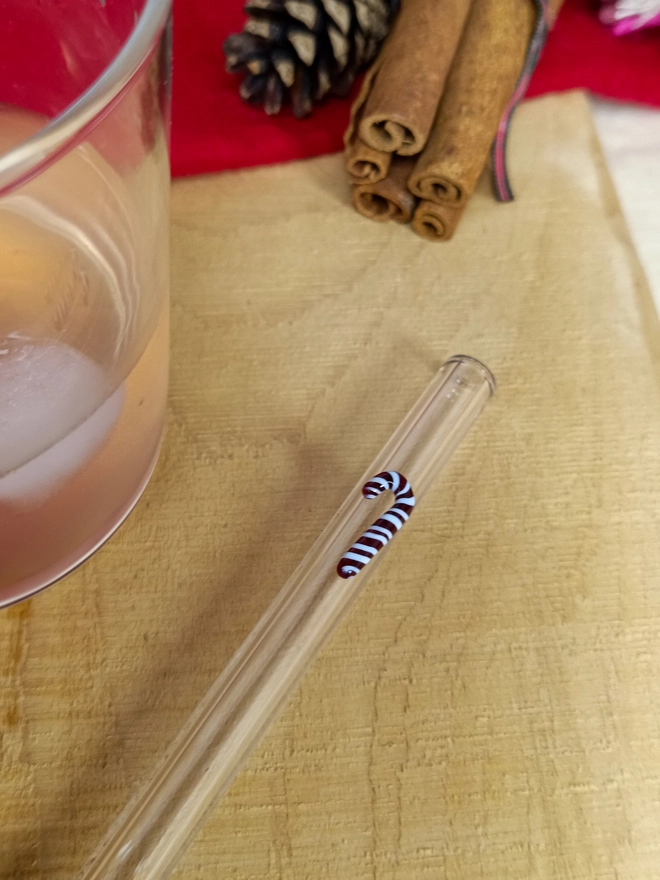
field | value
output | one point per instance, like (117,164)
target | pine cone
(302,50)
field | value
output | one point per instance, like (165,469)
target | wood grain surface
(490,710)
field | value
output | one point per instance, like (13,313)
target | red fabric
(582,53)
(213,130)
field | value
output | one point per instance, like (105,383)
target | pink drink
(83,357)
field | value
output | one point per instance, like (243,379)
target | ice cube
(54,414)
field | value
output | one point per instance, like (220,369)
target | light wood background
(491,708)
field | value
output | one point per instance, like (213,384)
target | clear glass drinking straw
(154,830)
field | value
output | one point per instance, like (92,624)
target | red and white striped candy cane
(384,529)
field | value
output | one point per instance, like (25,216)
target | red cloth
(213,130)
(581,53)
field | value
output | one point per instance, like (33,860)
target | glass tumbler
(84,183)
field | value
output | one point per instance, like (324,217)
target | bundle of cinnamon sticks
(429,110)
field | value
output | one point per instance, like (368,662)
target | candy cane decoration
(384,529)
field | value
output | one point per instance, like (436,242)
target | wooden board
(490,707)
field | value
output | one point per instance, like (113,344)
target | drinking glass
(84,181)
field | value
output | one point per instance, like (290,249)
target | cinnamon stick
(363,163)
(390,198)
(436,222)
(406,85)
(356,108)
(366,165)
(481,81)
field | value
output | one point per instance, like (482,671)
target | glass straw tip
(468,360)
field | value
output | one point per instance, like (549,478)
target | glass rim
(26,160)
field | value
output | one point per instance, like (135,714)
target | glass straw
(152,833)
